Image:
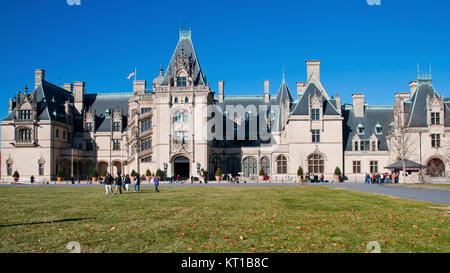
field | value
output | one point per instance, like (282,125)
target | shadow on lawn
(48,222)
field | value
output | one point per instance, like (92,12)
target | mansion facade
(163,125)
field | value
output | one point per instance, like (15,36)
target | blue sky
(363,48)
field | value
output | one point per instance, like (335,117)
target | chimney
(313,70)
(221,89)
(301,87)
(358,105)
(338,103)
(79,90)
(139,87)
(266,91)
(39,75)
(68,87)
(11,105)
(413,86)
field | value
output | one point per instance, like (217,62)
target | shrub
(133,173)
(337,171)
(261,173)
(94,173)
(159,173)
(104,174)
(60,173)
(16,174)
(218,172)
(148,173)
(300,171)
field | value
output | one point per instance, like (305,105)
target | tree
(261,172)
(159,173)
(16,174)
(337,171)
(94,173)
(300,171)
(148,173)
(60,173)
(133,173)
(218,172)
(401,141)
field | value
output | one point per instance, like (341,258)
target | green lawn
(218,219)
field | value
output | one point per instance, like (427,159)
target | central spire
(185,34)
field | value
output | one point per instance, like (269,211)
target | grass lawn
(218,219)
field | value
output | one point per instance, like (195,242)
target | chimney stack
(68,87)
(79,90)
(338,103)
(139,86)
(221,90)
(301,88)
(39,75)
(266,91)
(358,105)
(313,70)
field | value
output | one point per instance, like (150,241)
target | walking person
(127,181)
(118,183)
(137,183)
(156,180)
(108,181)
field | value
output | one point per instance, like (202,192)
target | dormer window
(108,113)
(89,126)
(315,114)
(181,81)
(435,119)
(378,129)
(116,126)
(25,114)
(360,129)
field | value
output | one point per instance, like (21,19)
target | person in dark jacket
(127,183)
(137,183)
(118,183)
(108,182)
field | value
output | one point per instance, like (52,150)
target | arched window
(185,116)
(175,100)
(281,164)
(250,166)
(315,164)
(186,100)
(265,165)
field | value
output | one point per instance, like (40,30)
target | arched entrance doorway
(181,167)
(436,168)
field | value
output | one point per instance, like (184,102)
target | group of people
(123,182)
(315,178)
(381,178)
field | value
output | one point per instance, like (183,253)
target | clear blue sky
(370,49)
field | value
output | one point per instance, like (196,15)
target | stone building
(166,126)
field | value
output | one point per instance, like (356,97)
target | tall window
(177,116)
(57,133)
(41,168)
(25,135)
(146,125)
(435,140)
(146,143)
(145,110)
(356,166)
(177,138)
(281,164)
(25,114)
(265,165)
(181,81)
(315,114)
(315,136)
(232,165)
(250,166)
(147,159)
(435,119)
(116,144)
(185,116)
(315,164)
(356,148)
(116,126)
(8,169)
(89,126)
(374,145)
(373,166)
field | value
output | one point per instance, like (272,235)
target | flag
(132,75)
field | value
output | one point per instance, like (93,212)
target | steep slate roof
(185,45)
(373,115)
(418,112)
(283,93)
(101,102)
(447,113)
(302,107)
